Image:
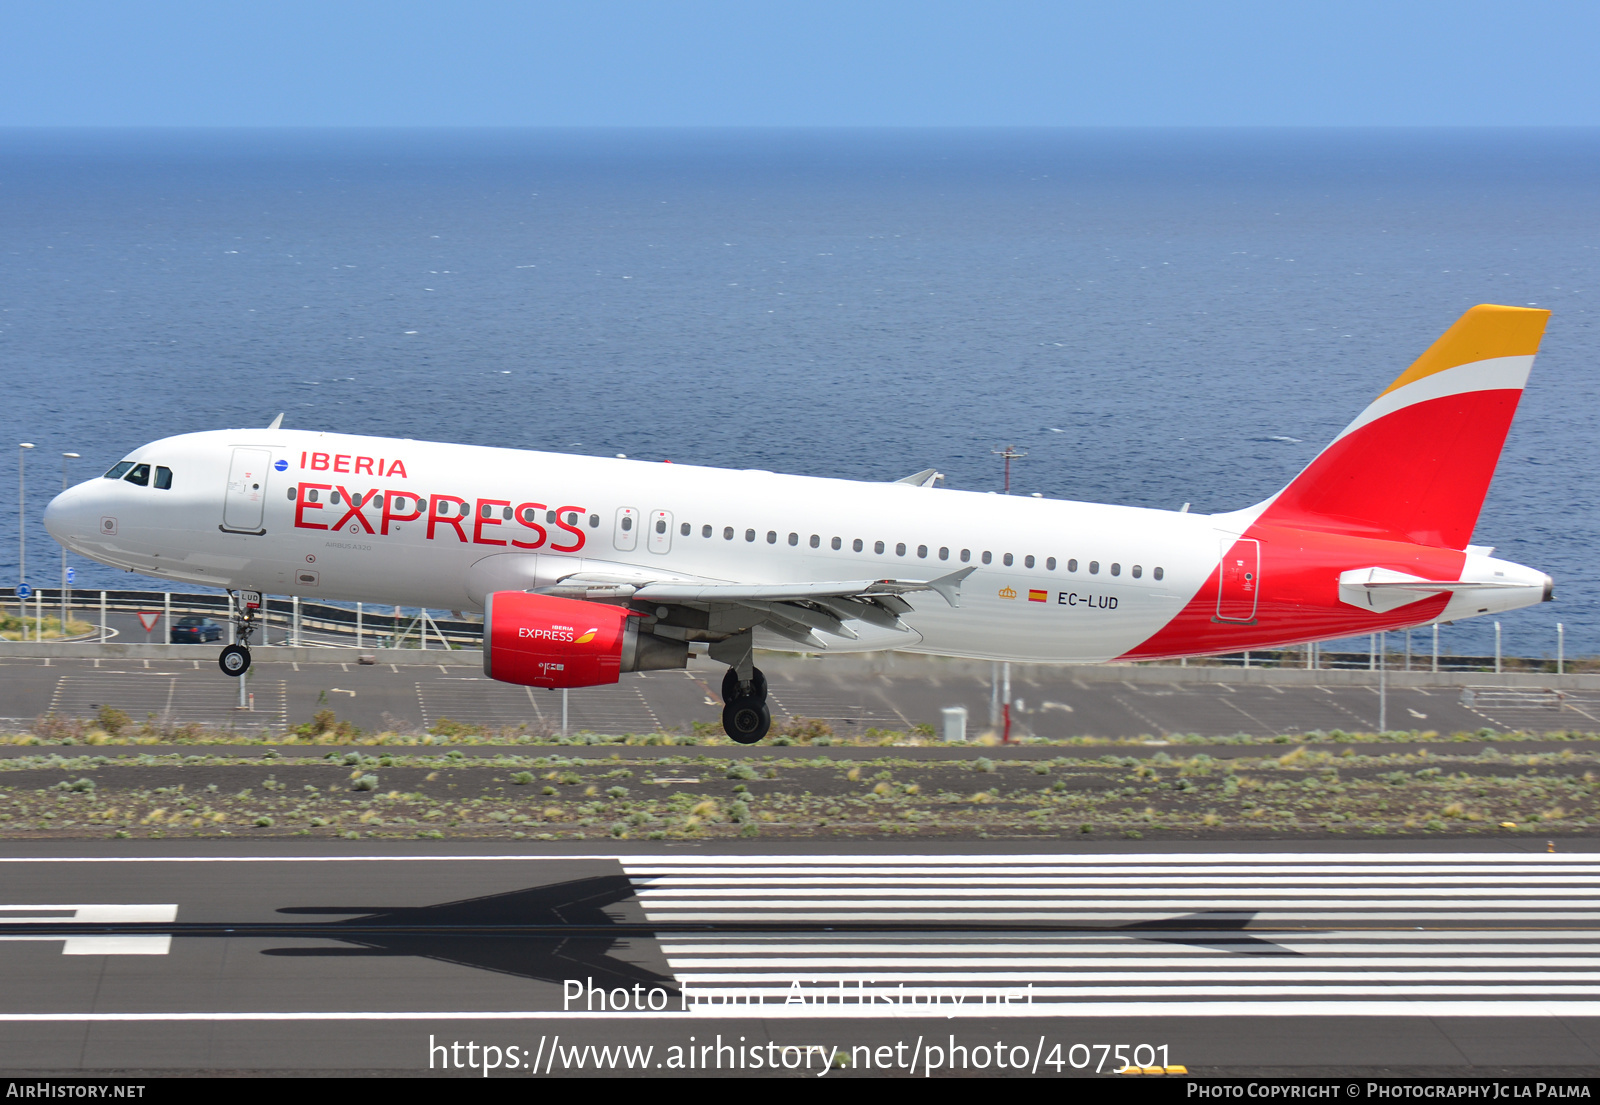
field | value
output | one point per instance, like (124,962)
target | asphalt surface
(164,957)
(851,694)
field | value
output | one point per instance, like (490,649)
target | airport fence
(283,621)
(307,622)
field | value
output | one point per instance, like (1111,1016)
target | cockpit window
(119,469)
(139,475)
(164,478)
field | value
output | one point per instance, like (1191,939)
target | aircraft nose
(72,515)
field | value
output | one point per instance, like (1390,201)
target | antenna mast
(1010,453)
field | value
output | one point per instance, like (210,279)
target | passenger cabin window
(944,554)
(836,543)
(550,516)
(727,533)
(857,545)
(1116,569)
(594,521)
(1158,573)
(749,535)
(684,529)
(988,557)
(333,497)
(119,469)
(705,531)
(816,542)
(1137,571)
(291,494)
(1072,565)
(922,551)
(877,547)
(505,511)
(139,474)
(1094,567)
(661,525)
(164,479)
(772,537)
(488,511)
(627,523)
(966,555)
(1007,560)
(1027,561)
(311,495)
(900,549)
(794,539)
(1050,564)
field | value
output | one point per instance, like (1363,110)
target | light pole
(64,601)
(22,524)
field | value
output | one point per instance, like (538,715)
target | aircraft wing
(947,586)
(793,610)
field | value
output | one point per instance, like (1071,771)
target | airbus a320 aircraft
(587,567)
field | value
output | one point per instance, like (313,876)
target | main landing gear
(235,659)
(745,717)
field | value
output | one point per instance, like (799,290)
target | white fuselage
(1054,580)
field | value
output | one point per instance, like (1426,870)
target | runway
(178,958)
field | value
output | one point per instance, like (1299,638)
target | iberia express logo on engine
(563,633)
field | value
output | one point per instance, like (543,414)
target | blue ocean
(1154,317)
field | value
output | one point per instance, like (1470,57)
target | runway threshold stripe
(668,896)
(1252,965)
(1249,863)
(876,1011)
(1477,982)
(1066,866)
(1097,880)
(1083,917)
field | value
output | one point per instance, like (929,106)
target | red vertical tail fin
(1416,465)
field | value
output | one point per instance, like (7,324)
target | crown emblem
(1007,593)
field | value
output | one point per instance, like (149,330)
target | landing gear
(235,659)
(745,717)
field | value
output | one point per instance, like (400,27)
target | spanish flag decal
(588,635)
(1038,596)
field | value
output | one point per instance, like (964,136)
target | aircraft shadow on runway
(550,958)
(1219,929)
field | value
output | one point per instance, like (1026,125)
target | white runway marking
(1195,935)
(91,915)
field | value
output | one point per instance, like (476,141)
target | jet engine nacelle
(544,641)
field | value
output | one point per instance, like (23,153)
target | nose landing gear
(235,659)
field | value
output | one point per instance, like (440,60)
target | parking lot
(419,690)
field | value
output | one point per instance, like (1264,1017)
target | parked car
(195,631)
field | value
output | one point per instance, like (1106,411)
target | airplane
(589,567)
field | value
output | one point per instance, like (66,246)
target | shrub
(112,720)
(523,778)
(366,782)
(738,770)
(617,792)
(983,764)
(77,786)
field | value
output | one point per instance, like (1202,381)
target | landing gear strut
(235,659)
(745,717)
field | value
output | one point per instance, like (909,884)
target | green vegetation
(1306,791)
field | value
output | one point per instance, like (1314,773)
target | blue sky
(820,63)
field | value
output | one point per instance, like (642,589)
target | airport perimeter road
(166,958)
(851,694)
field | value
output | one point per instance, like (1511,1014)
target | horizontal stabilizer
(925,478)
(1384,589)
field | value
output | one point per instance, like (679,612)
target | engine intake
(544,641)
